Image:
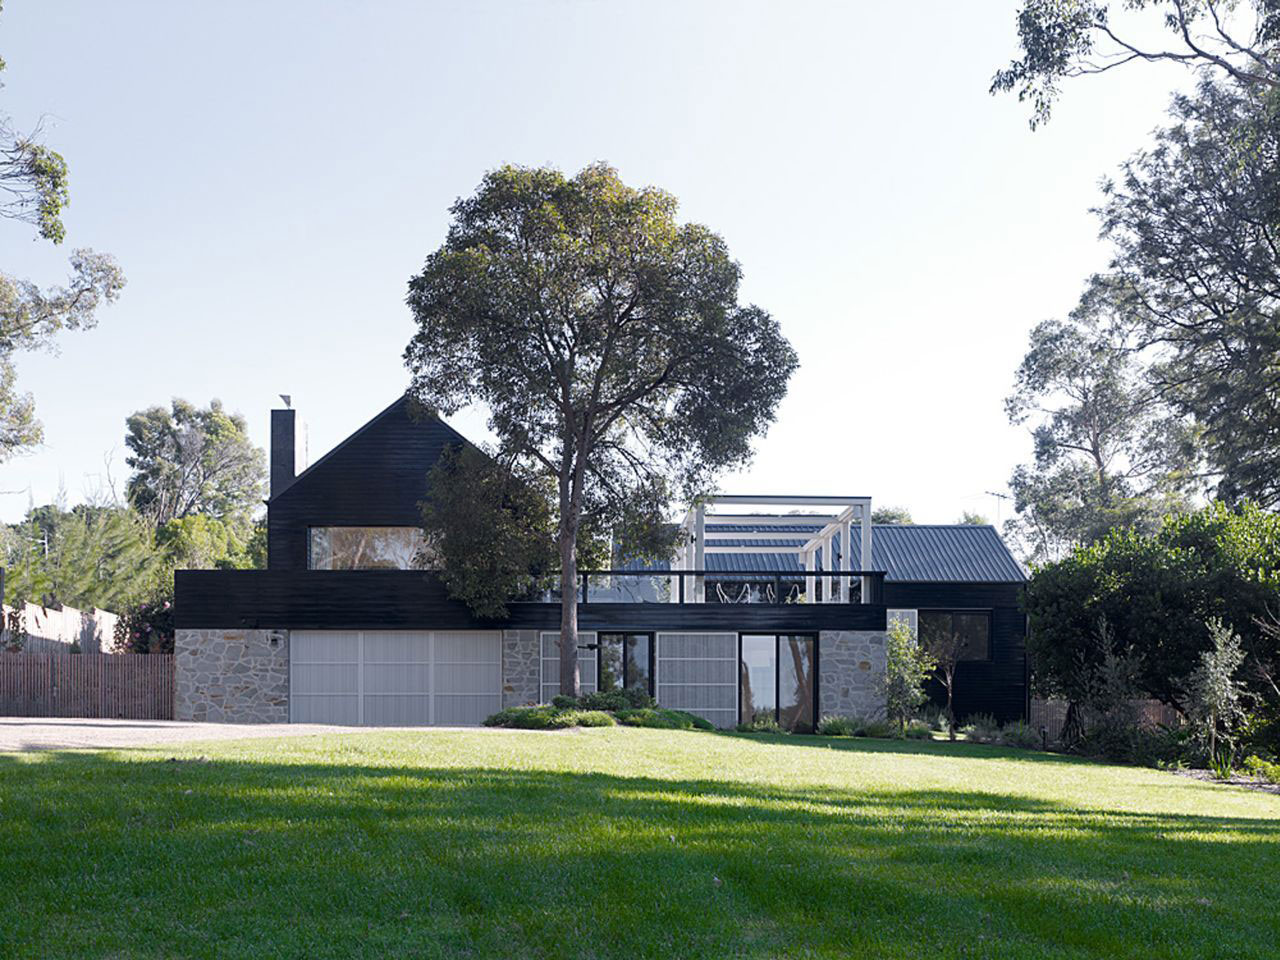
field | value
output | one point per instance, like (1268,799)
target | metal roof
(951,553)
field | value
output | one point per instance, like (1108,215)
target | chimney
(282,450)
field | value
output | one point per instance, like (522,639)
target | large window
(973,627)
(779,679)
(626,660)
(367,548)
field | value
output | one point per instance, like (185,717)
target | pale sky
(269,176)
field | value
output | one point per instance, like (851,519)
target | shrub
(1267,770)
(907,667)
(835,725)
(547,717)
(146,627)
(614,700)
(1133,743)
(662,719)
(981,728)
(1019,734)
(918,730)
(878,729)
(760,723)
(565,702)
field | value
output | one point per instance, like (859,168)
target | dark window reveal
(973,628)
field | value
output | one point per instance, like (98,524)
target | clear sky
(269,175)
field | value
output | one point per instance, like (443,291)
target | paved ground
(22,733)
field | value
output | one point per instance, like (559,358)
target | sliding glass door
(779,679)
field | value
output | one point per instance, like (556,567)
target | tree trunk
(951,717)
(570,684)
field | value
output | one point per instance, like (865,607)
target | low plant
(836,725)
(548,717)
(879,729)
(1221,765)
(1135,743)
(1020,735)
(981,728)
(630,698)
(1261,768)
(760,723)
(918,730)
(660,718)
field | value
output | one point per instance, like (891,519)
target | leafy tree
(1068,38)
(200,542)
(891,515)
(971,519)
(1108,449)
(497,523)
(945,648)
(1156,592)
(1216,692)
(89,556)
(1196,276)
(608,344)
(33,190)
(189,460)
(907,666)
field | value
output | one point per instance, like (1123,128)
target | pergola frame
(691,555)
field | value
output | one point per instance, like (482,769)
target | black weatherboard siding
(999,685)
(411,599)
(377,477)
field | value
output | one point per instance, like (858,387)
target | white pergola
(692,554)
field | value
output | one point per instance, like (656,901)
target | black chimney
(282,450)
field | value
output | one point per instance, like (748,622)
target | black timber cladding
(412,599)
(376,477)
(998,685)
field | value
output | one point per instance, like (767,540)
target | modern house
(774,605)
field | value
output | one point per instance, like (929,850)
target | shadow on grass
(253,858)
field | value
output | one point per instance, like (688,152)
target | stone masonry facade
(231,676)
(521,667)
(851,668)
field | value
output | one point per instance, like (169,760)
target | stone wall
(521,667)
(851,665)
(231,676)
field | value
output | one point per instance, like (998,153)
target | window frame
(777,671)
(622,635)
(988,612)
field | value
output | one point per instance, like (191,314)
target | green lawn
(626,843)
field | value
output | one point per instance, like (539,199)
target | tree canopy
(190,460)
(891,515)
(1239,39)
(606,341)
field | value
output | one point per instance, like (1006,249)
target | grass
(627,843)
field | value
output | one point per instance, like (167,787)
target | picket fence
(134,686)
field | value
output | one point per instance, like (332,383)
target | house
(762,611)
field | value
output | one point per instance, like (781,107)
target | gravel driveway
(24,733)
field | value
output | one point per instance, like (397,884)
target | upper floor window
(973,627)
(367,548)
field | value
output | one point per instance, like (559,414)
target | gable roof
(957,553)
(385,460)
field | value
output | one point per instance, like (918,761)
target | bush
(981,728)
(659,718)
(548,717)
(1133,743)
(918,730)
(878,729)
(760,723)
(146,627)
(834,725)
(1267,770)
(565,702)
(1020,735)
(615,700)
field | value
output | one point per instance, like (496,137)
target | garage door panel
(397,710)
(466,710)
(395,678)
(312,708)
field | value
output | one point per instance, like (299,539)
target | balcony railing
(726,586)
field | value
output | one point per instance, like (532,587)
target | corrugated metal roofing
(953,553)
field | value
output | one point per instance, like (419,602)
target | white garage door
(394,678)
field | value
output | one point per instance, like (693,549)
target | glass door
(779,679)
